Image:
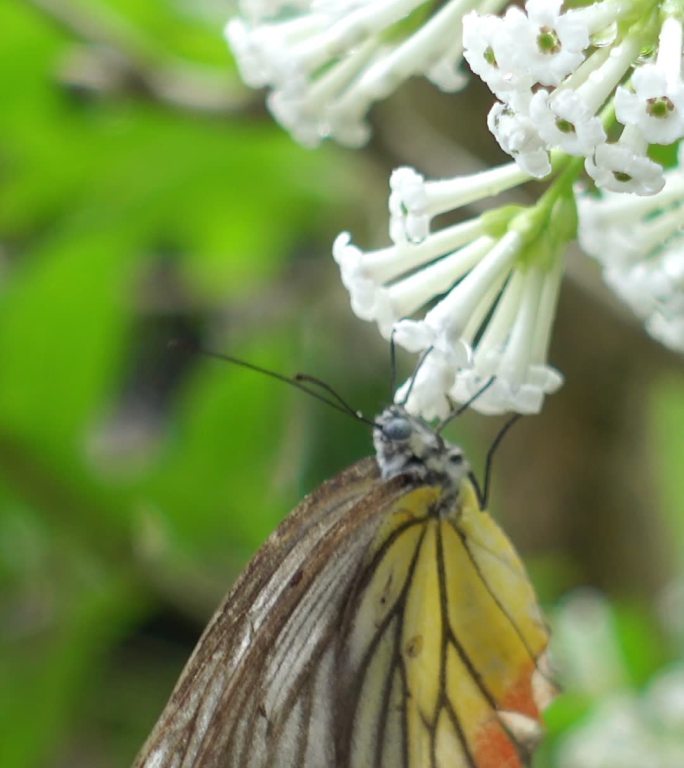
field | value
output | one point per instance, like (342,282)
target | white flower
(640,244)
(254,69)
(620,230)
(656,102)
(667,330)
(624,729)
(518,136)
(624,166)
(548,45)
(414,202)
(384,285)
(564,120)
(543,46)
(584,645)
(327,62)
(615,737)
(488,49)
(256,10)
(493,311)
(654,106)
(512,346)
(408,205)
(427,392)
(665,697)
(628,731)
(447,73)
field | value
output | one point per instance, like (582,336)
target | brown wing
(368,632)
(256,691)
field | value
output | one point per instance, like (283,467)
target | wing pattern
(368,632)
(256,691)
(442,645)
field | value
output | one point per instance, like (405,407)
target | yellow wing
(366,633)
(443,645)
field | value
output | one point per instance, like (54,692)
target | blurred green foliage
(124,222)
(135,480)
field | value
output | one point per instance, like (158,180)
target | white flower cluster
(639,243)
(624,729)
(595,85)
(327,61)
(494,311)
(627,731)
(554,72)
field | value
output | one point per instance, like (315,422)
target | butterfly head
(406,445)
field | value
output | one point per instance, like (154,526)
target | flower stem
(551,223)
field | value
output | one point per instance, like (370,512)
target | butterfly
(387,623)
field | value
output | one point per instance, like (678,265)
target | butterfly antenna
(338,404)
(393,365)
(462,408)
(419,365)
(300,377)
(484,494)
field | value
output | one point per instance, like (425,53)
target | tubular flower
(326,62)
(558,78)
(655,99)
(639,243)
(491,282)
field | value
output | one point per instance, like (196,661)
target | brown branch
(113,58)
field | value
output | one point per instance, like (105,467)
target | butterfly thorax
(406,445)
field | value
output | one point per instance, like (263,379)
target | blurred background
(146,197)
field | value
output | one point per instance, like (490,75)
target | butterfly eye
(455,458)
(397,429)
